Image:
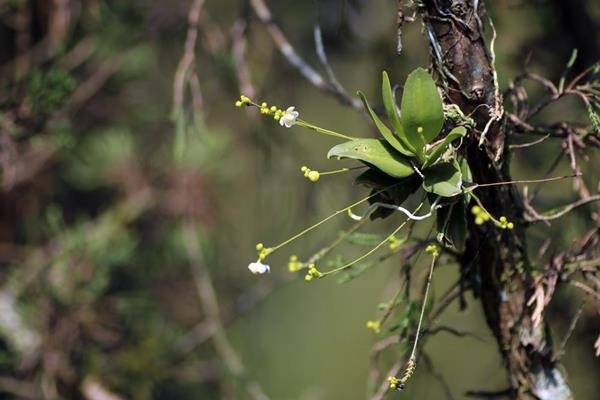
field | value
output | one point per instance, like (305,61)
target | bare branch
(292,56)
(535,216)
(208,297)
(563,344)
(338,89)
(189,56)
(588,290)
(238,34)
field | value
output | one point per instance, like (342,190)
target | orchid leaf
(384,130)
(390,107)
(422,111)
(438,150)
(443,179)
(375,152)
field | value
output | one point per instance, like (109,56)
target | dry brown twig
(533,215)
(208,298)
(239,45)
(185,68)
(383,388)
(330,86)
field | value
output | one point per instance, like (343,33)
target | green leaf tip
(384,130)
(390,107)
(422,108)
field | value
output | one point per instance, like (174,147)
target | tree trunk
(496,260)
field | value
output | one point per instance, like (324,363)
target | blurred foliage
(50,90)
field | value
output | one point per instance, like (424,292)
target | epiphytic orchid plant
(416,153)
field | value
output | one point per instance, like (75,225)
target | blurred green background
(106,237)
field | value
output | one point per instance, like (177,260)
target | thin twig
(452,331)
(238,48)
(291,55)
(524,145)
(284,46)
(339,90)
(383,388)
(535,216)
(189,56)
(543,180)
(563,344)
(586,289)
(438,376)
(208,298)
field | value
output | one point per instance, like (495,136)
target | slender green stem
(302,123)
(478,201)
(337,171)
(324,251)
(413,353)
(480,185)
(367,254)
(392,304)
(343,210)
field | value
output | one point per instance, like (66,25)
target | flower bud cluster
(309,174)
(313,273)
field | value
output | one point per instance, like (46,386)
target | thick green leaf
(443,179)
(438,150)
(375,152)
(384,130)
(452,225)
(421,108)
(390,107)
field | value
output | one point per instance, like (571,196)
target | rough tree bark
(496,261)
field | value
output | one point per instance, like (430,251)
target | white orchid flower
(288,119)
(258,268)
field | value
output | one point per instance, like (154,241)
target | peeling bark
(495,260)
